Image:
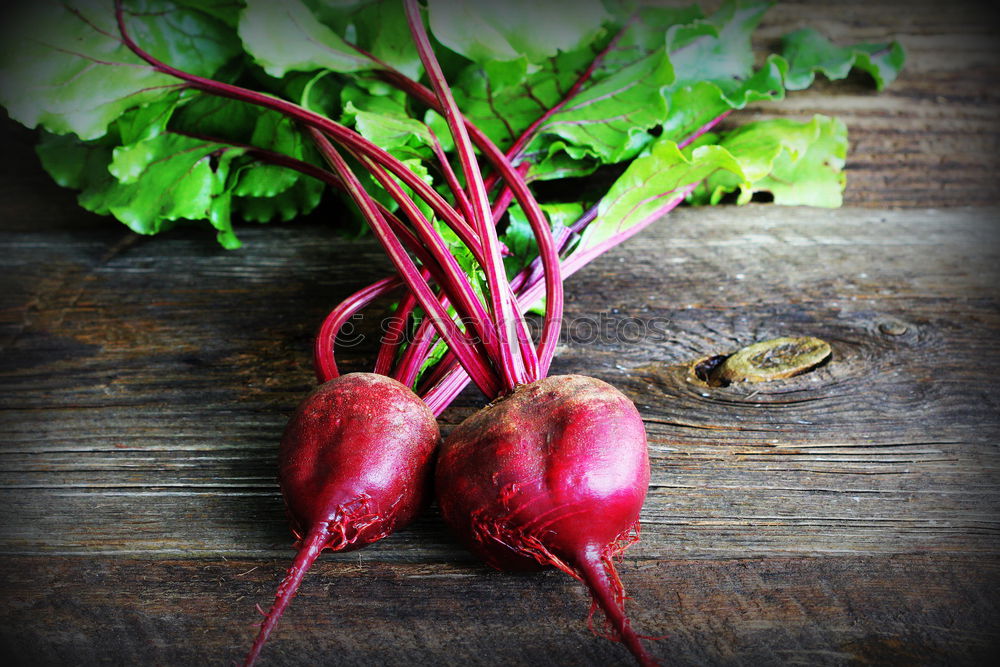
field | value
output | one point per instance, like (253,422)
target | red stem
(456,283)
(506,196)
(480,373)
(324,358)
(435,374)
(395,335)
(471,360)
(417,90)
(341,134)
(416,354)
(528,353)
(461,199)
(511,366)
(503,166)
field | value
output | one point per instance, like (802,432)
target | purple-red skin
(355,464)
(553,474)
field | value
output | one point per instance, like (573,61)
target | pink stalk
(394,336)
(461,199)
(324,345)
(417,90)
(459,289)
(416,354)
(530,275)
(435,374)
(506,196)
(511,366)
(442,394)
(503,166)
(546,251)
(480,373)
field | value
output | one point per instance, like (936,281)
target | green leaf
(815,178)
(220,215)
(503,109)
(166,178)
(286,36)
(716,49)
(226,11)
(809,52)
(64,68)
(561,160)
(276,133)
(73,163)
(253,181)
(648,183)
(383,31)
(508,30)
(646,32)
(148,120)
(670,68)
(799,163)
(389,130)
(713,63)
(318,92)
(610,119)
(302,198)
(391,101)
(437,124)
(150,184)
(226,119)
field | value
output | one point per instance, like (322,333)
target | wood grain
(780,611)
(847,516)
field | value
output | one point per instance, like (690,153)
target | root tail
(308,552)
(600,576)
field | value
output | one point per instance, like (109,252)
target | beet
(355,464)
(553,474)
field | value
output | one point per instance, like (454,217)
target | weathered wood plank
(150,392)
(899,610)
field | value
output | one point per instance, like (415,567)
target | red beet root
(354,465)
(553,474)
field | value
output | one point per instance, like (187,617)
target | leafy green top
(142,147)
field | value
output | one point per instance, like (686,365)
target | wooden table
(845,516)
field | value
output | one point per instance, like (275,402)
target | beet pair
(552,474)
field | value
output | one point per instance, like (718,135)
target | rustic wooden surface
(848,516)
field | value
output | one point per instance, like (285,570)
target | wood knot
(764,361)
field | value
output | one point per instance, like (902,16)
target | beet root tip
(308,553)
(601,579)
